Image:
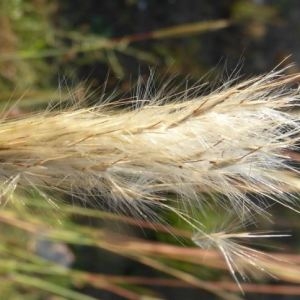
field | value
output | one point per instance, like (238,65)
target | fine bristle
(235,246)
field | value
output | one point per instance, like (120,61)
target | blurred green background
(49,48)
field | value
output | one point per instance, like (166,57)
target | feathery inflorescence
(226,146)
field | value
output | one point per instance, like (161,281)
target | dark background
(262,35)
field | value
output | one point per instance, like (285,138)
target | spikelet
(235,247)
(228,144)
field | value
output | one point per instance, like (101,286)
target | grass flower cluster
(232,149)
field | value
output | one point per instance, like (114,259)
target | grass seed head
(234,142)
